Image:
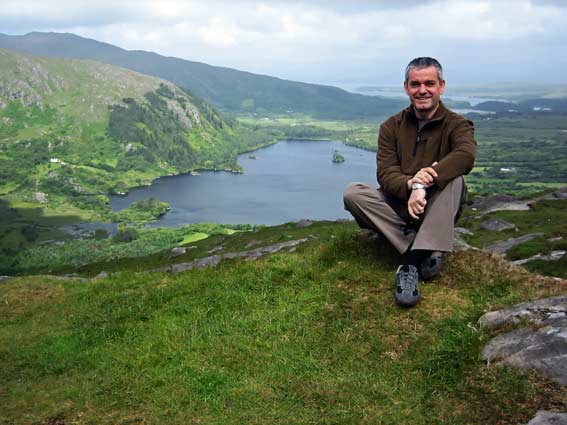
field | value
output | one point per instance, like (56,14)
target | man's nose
(422,88)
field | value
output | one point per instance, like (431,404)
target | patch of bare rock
(214,260)
(503,246)
(541,344)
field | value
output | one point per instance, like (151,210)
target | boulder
(177,251)
(541,346)
(304,223)
(40,197)
(496,224)
(503,246)
(548,418)
(560,194)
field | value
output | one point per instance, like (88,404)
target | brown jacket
(447,138)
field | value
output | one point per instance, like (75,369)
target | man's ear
(406,87)
(442,84)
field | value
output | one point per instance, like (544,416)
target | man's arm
(389,171)
(460,160)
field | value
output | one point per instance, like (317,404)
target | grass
(312,336)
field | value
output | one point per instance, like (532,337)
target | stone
(548,418)
(503,246)
(496,224)
(102,275)
(252,243)
(541,346)
(304,223)
(214,260)
(177,251)
(40,197)
(560,194)
(553,256)
(463,231)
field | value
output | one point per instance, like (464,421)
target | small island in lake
(337,157)
(251,156)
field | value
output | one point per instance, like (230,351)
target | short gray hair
(424,62)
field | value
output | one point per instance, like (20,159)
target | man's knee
(353,194)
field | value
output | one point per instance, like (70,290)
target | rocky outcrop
(542,345)
(560,194)
(497,225)
(503,246)
(214,260)
(548,418)
(553,256)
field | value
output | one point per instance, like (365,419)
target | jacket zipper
(417,142)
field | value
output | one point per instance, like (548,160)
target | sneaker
(407,291)
(430,267)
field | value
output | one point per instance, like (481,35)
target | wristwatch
(415,186)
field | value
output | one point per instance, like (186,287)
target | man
(423,152)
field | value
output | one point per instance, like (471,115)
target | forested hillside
(225,88)
(74,131)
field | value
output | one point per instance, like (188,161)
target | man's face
(424,90)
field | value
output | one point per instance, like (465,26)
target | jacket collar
(438,116)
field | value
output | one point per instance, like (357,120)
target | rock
(304,223)
(503,246)
(4,278)
(217,248)
(553,256)
(40,197)
(102,275)
(214,260)
(542,347)
(548,418)
(555,239)
(463,231)
(177,251)
(252,243)
(557,195)
(496,224)
(498,203)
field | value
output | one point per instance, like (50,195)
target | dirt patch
(15,300)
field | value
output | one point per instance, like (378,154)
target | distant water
(288,181)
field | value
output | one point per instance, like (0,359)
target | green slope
(225,88)
(77,130)
(311,336)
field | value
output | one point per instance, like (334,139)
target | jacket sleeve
(460,160)
(389,173)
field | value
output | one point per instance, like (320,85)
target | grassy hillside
(310,336)
(225,88)
(73,131)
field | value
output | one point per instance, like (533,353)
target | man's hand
(416,203)
(425,176)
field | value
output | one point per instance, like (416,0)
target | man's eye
(414,84)
(430,83)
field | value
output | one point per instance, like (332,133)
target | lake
(288,181)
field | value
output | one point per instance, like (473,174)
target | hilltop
(225,88)
(311,333)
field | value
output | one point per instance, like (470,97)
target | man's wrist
(416,186)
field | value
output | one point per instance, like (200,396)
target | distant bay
(288,181)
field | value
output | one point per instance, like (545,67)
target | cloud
(317,39)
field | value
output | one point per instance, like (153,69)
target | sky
(324,41)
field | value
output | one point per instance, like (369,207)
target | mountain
(75,129)
(225,88)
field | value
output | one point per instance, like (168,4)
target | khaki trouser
(374,210)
